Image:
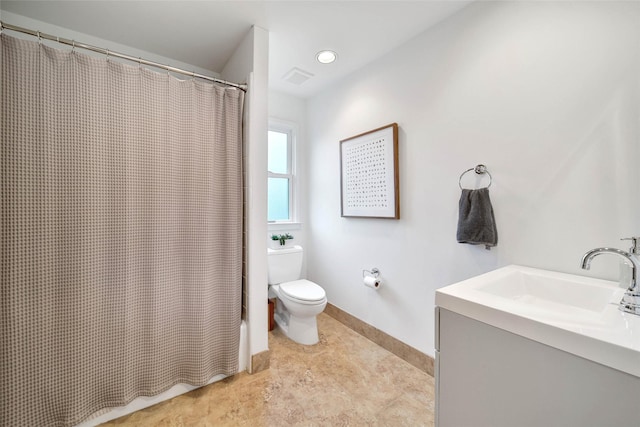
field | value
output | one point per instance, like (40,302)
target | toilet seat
(303,291)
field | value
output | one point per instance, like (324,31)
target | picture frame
(369,176)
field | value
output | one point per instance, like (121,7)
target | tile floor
(345,380)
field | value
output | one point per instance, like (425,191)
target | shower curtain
(121,233)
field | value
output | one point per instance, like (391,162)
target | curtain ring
(39,38)
(107,55)
(73,46)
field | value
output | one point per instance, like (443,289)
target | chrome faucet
(635,264)
(630,302)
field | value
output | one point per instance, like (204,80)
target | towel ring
(479,169)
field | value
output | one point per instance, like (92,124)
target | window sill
(278,226)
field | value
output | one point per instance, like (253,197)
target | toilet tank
(284,265)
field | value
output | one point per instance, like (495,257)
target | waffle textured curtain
(121,233)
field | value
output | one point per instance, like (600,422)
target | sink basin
(553,292)
(542,294)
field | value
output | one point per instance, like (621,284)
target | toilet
(299,301)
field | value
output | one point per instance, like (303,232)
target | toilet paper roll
(372,282)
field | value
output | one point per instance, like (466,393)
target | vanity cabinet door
(486,376)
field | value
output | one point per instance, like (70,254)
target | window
(281,176)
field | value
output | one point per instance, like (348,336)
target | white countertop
(595,331)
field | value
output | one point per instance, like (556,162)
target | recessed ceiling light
(326,56)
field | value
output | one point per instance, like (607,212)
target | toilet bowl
(299,301)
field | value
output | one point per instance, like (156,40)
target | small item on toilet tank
(371,282)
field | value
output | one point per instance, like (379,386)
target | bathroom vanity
(525,347)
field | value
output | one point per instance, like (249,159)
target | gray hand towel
(476,222)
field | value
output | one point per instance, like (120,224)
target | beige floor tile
(344,380)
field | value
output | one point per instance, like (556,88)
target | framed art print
(369,174)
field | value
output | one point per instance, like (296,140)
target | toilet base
(301,330)
(297,321)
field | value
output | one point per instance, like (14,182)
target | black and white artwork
(369,175)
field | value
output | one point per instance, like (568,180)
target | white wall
(250,63)
(546,94)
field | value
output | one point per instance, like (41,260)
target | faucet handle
(635,249)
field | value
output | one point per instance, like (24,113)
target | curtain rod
(108,52)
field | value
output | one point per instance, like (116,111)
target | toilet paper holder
(373,272)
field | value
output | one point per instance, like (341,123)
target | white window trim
(291,129)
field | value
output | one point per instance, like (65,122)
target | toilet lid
(303,290)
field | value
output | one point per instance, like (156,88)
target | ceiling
(205,33)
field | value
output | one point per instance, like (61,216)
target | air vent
(297,76)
